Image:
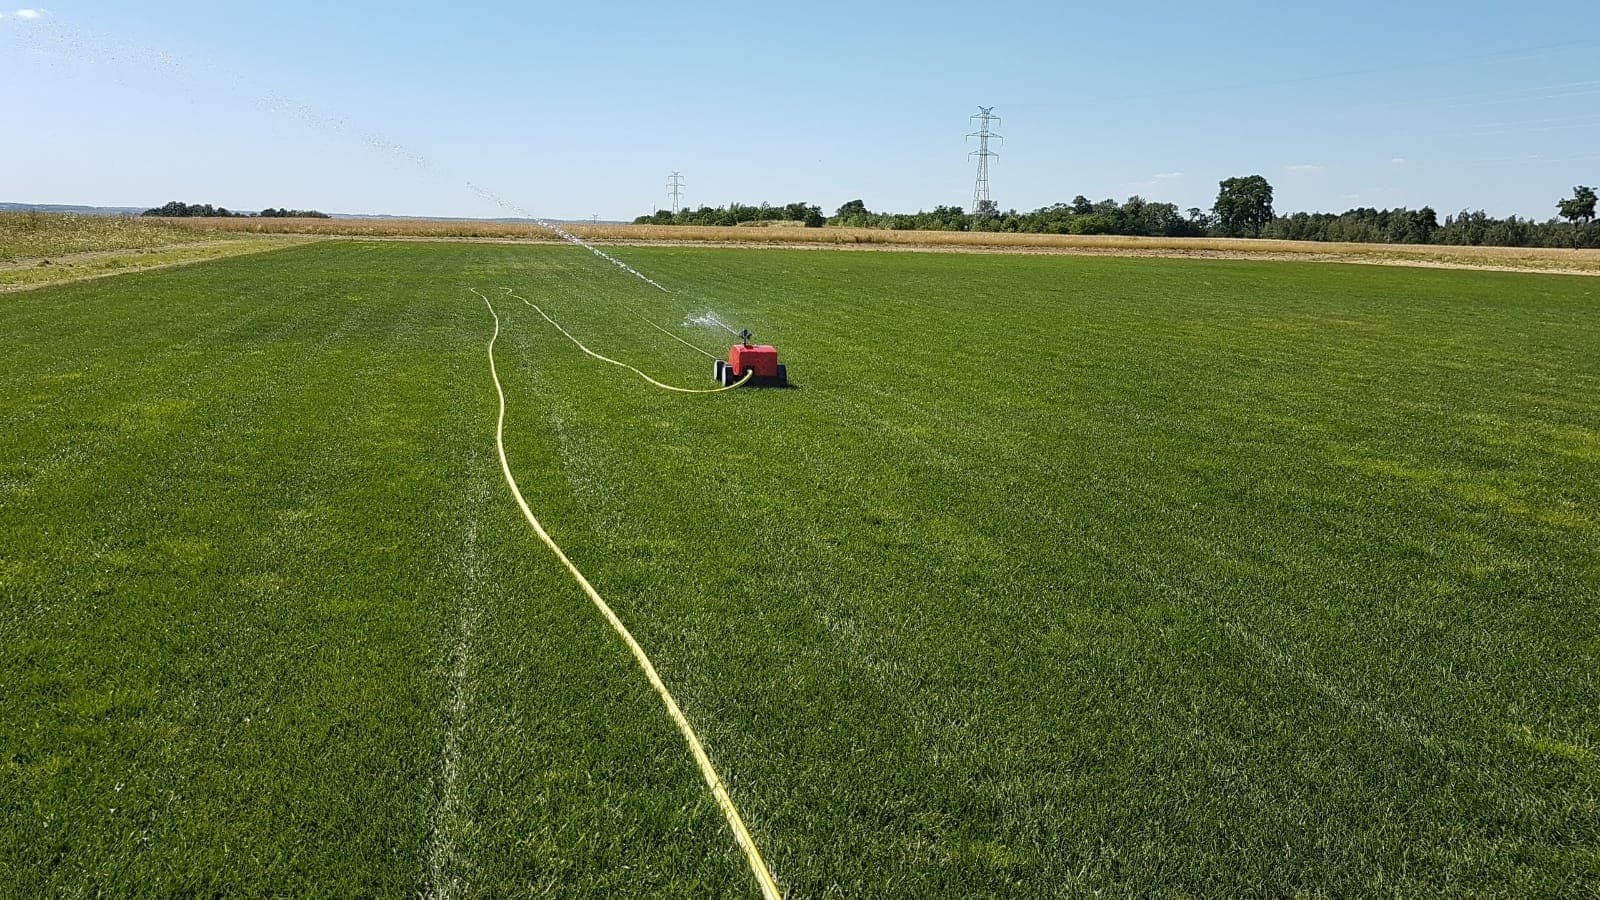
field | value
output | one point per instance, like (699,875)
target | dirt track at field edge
(1128,252)
(152,257)
(93,264)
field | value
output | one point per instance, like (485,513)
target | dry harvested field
(1585,262)
(37,249)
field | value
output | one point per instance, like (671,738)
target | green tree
(1244,205)
(1423,225)
(1580,208)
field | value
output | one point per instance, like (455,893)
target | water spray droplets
(564,234)
(708,319)
(60,44)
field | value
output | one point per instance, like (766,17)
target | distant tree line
(942,218)
(1243,209)
(179,210)
(1422,226)
(737,214)
(270,213)
(1137,216)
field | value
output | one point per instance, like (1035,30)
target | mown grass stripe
(719,792)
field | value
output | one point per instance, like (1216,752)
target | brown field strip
(25,274)
(1578,262)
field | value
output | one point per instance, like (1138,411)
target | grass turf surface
(1055,575)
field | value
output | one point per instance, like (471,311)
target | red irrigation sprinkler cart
(760,361)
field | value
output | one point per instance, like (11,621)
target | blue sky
(580,109)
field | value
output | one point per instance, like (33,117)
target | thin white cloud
(29,14)
(1167,176)
(1398,161)
(1305,168)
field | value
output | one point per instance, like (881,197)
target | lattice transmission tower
(675,191)
(981,204)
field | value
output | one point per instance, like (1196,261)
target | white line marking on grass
(682,390)
(1353,703)
(719,792)
(444,880)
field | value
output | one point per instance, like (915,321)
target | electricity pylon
(981,204)
(675,190)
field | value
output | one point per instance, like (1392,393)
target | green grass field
(1052,577)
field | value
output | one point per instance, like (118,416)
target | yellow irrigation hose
(663,386)
(741,835)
